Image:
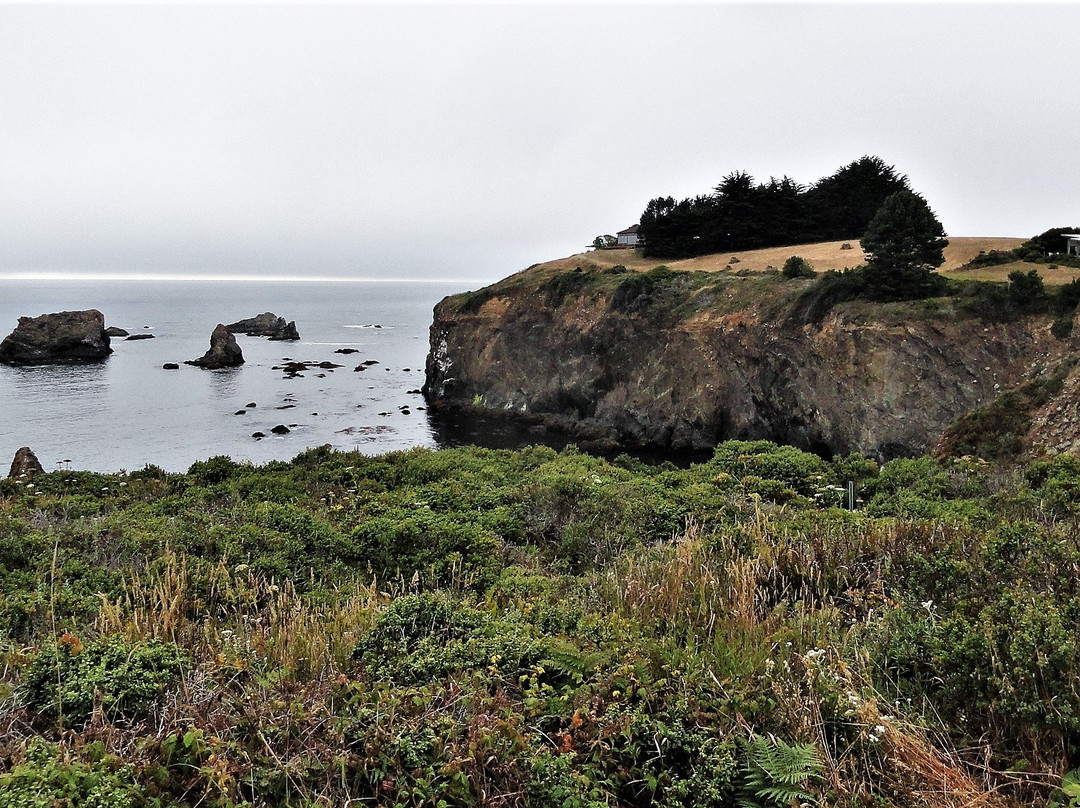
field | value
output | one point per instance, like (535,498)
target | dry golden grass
(822,256)
(1051,276)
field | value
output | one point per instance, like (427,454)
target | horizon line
(150,276)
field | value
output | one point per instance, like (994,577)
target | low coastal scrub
(537,628)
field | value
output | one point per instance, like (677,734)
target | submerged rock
(223,353)
(266,324)
(134,337)
(170,366)
(25,464)
(62,338)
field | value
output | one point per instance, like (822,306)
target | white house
(629,237)
(1072,243)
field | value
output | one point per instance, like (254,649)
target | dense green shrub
(638,290)
(473,624)
(797,267)
(1026,290)
(69,681)
(765,462)
(52,778)
(440,547)
(472,302)
(566,284)
(831,289)
(429,636)
(215,470)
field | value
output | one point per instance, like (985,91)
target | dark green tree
(904,243)
(798,267)
(843,204)
(1025,290)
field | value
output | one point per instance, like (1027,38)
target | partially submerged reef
(685,360)
(474,627)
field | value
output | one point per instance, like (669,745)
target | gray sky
(472,141)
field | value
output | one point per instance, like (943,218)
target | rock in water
(223,353)
(66,337)
(289,332)
(138,337)
(114,331)
(25,464)
(266,324)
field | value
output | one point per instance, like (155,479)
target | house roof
(627,231)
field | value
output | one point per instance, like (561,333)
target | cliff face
(688,360)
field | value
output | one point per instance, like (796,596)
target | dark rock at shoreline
(266,324)
(63,338)
(25,464)
(138,337)
(223,353)
(170,366)
(113,331)
(281,429)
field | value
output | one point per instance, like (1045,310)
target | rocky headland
(66,337)
(684,360)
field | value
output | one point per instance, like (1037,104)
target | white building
(629,237)
(1072,243)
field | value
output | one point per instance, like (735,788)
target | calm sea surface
(127,412)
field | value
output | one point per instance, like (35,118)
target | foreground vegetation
(477,627)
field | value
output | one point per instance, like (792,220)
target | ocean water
(127,412)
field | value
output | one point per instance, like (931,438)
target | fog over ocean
(128,412)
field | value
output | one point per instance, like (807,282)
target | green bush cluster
(48,777)
(68,682)
(428,627)
(797,267)
(567,284)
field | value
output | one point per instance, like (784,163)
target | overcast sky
(472,141)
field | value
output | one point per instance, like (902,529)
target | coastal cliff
(684,360)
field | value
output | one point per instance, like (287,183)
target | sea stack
(62,338)
(223,353)
(266,324)
(25,464)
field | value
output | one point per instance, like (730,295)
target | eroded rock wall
(689,373)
